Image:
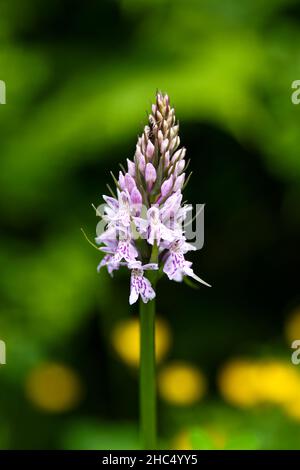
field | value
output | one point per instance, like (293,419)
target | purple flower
(157,230)
(106,261)
(145,213)
(125,250)
(118,213)
(140,285)
(176,266)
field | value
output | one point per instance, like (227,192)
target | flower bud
(160,137)
(164,145)
(150,150)
(136,200)
(150,176)
(179,182)
(166,187)
(140,160)
(171,120)
(129,183)
(144,141)
(159,116)
(121,180)
(175,143)
(165,126)
(131,167)
(179,154)
(166,159)
(179,167)
(174,131)
(159,100)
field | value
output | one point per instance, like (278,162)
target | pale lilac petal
(135,264)
(171,207)
(147,292)
(178,276)
(107,249)
(189,272)
(170,268)
(109,213)
(153,266)
(141,226)
(154,235)
(106,261)
(111,201)
(132,252)
(167,234)
(103,262)
(134,293)
(125,251)
(185,247)
(109,236)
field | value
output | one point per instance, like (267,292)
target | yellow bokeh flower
(248,383)
(53,388)
(238,382)
(181,383)
(126,340)
(279,382)
(292,326)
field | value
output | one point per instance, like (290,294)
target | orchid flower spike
(144,217)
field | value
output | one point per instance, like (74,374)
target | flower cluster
(144,218)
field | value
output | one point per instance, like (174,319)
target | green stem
(147,365)
(147,376)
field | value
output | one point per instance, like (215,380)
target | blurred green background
(80,77)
